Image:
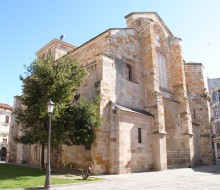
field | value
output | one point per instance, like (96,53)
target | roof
(151,13)
(101,34)
(56,40)
(106,31)
(135,13)
(5,106)
(192,63)
(133,110)
(123,108)
(77,48)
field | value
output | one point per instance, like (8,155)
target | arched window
(161,63)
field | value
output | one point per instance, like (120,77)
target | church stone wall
(125,49)
(178,151)
(73,155)
(92,57)
(87,53)
(134,156)
(18,153)
(200,109)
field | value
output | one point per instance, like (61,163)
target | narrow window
(216,112)
(217,129)
(214,97)
(139,135)
(194,114)
(128,72)
(7,119)
(219,95)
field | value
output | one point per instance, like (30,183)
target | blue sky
(27,25)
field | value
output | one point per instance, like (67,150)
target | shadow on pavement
(214,169)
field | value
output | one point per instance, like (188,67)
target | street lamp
(50,107)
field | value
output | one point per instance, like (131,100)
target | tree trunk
(42,157)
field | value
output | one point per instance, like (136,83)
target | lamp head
(50,107)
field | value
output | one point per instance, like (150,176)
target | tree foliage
(76,123)
(73,121)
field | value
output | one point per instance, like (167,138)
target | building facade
(5,119)
(148,98)
(214,91)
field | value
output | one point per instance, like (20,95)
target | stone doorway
(3,154)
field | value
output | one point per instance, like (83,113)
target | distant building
(5,118)
(214,91)
(155,112)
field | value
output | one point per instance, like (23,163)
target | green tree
(73,121)
(75,126)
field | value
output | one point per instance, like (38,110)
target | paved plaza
(201,178)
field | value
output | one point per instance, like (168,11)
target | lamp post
(50,107)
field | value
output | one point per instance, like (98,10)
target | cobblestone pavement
(201,178)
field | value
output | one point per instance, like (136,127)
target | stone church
(155,109)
